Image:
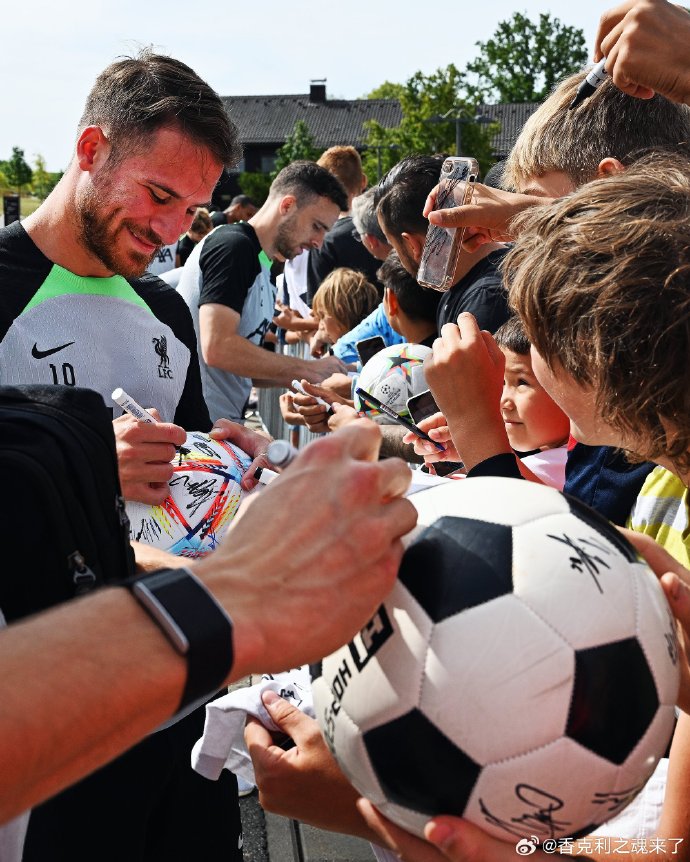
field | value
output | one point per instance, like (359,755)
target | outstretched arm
(223,347)
(487,218)
(76,691)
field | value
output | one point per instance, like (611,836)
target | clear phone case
(442,245)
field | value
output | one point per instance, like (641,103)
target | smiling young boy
(601,282)
(609,268)
(536,426)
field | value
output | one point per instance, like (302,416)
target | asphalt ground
(269,838)
(255,846)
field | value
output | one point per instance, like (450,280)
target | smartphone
(368,347)
(375,404)
(421,407)
(442,245)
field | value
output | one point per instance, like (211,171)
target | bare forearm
(241,357)
(302,324)
(81,684)
(84,682)
(475,446)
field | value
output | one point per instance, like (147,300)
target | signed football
(204,496)
(393,375)
(521,674)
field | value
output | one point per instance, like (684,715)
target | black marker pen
(264,475)
(374,402)
(595,77)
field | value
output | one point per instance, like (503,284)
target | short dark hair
(242,201)
(134,97)
(512,336)
(401,194)
(306,180)
(416,301)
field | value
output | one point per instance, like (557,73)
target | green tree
(523,60)
(43,181)
(256,185)
(430,105)
(299,144)
(16,170)
(387,90)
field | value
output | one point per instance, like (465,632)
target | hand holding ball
(521,674)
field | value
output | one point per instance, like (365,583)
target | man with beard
(227,287)
(75,310)
(477,284)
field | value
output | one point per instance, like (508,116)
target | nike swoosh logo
(41,354)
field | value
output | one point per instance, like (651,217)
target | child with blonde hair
(343,300)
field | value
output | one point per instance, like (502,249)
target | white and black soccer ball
(521,674)
(393,375)
(204,497)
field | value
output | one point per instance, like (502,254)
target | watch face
(195,624)
(159,594)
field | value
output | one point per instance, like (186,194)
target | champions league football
(393,375)
(521,674)
(204,497)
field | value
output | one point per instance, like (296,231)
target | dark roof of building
(270,119)
(512,117)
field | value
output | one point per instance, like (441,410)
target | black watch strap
(195,624)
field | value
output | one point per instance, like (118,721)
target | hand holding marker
(280,453)
(372,402)
(297,386)
(129,405)
(595,77)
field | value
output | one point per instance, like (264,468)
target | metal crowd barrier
(269,408)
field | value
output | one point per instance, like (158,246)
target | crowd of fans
(557,356)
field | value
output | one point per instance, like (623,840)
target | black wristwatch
(195,624)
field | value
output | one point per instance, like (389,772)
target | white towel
(222,744)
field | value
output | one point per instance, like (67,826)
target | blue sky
(52,51)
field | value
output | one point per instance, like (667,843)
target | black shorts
(147,806)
